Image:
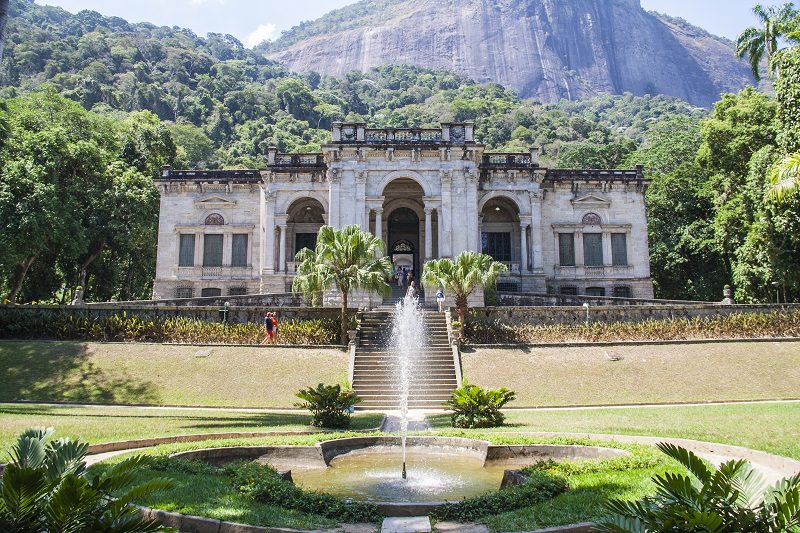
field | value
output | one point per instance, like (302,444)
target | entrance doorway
(404,239)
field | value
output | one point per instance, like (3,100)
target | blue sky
(252,20)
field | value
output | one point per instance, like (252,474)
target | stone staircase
(398,293)
(433,377)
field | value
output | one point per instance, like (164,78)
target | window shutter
(239,250)
(212,251)
(619,249)
(593,249)
(566,249)
(186,253)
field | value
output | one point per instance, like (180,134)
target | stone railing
(295,160)
(508,160)
(240,176)
(592,272)
(221,272)
(567,174)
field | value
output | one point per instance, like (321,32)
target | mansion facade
(428,193)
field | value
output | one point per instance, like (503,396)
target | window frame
(561,259)
(206,248)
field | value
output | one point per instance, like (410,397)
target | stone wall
(512,299)
(236,315)
(250,300)
(613,313)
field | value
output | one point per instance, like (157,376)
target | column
(428,234)
(579,248)
(269,253)
(379,226)
(523,248)
(607,259)
(440,231)
(282,245)
(536,233)
(445,226)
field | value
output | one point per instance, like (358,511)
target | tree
(732,498)
(785,178)
(756,42)
(460,277)
(346,259)
(46,487)
(3,21)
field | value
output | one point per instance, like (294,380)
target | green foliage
(330,405)
(46,487)
(777,23)
(538,487)
(346,259)
(33,324)
(263,484)
(462,276)
(733,326)
(476,407)
(732,498)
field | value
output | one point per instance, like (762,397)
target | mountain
(545,49)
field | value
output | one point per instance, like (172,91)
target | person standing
(274,328)
(268,328)
(440,299)
(412,290)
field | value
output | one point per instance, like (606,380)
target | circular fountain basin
(439,469)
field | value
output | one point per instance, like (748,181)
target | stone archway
(501,232)
(404,212)
(304,218)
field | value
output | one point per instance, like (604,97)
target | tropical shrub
(263,484)
(330,405)
(732,498)
(733,326)
(46,487)
(476,407)
(130,328)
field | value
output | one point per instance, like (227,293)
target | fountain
(407,342)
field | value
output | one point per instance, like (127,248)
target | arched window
(215,219)
(591,219)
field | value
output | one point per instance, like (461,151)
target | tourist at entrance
(401,278)
(440,299)
(412,290)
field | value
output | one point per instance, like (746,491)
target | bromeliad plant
(732,498)
(476,407)
(330,405)
(46,487)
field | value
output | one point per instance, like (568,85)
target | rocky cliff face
(546,49)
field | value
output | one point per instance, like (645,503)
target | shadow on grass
(62,372)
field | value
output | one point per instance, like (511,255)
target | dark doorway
(404,238)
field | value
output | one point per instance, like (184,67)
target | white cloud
(264,32)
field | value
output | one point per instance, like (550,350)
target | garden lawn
(770,427)
(106,424)
(562,376)
(159,374)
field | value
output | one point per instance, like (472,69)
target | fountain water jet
(407,342)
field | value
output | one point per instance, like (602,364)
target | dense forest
(93,106)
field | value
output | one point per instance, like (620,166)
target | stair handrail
(454,346)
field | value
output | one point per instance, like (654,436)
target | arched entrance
(304,218)
(500,230)
(404,239)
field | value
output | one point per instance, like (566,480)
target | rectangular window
(239,250)
(566,249)
(304,240)
(184,292)
(237,291)
(593,249)
(619,249)
(568,291)
(212,251)
(497,245)
(186,255)
(595,291)
(622,292)
(211,292)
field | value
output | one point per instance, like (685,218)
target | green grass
(559,376)
(106,424)
(770,427)
(156,374)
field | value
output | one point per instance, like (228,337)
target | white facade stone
(427,194)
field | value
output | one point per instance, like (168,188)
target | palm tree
(785,178)
(756,42)
(46,487)
(345,259)
(733,497)
(460,277)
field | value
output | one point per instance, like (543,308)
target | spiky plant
(460,277)
(329,405)
(732,498)
(476,407)
(346,259)
(785,178)
(46,487)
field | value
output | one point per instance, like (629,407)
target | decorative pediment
(214,202)
(591,200)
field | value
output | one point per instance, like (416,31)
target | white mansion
(428,193)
